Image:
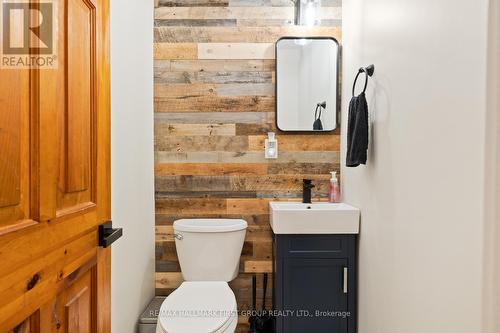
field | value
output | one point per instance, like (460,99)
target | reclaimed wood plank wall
(214,104)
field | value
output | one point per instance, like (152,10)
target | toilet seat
(198,307)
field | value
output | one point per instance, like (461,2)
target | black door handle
(108,235)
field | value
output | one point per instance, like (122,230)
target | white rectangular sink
(315,218)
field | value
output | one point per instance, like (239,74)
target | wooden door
(55,180)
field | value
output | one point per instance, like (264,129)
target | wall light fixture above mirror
(307,83)
(307,12)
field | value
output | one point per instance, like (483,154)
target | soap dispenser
(334,188)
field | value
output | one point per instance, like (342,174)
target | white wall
(132,160)
(422,193)
(492,231)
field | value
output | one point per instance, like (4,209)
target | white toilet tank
(209,249)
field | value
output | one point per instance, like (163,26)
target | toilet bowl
(198,306)
(209,252)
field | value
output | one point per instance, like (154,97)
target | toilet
(209,254)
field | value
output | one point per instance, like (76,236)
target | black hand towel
(357,131)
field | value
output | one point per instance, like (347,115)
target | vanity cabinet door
(315,273)
(314,291)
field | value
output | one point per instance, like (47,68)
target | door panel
(30,325)
(80,107)
(76,114)
(78,311)
(71,311)
(15,191)
(54,132)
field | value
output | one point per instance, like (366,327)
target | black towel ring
(368,72)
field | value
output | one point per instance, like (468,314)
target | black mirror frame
(338,94)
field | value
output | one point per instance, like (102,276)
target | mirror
(307,84)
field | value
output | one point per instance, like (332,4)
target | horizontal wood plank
(191,206)
(177,185)
(258,222)
(164,130)
(244,157)
(162,90)
(195,23)
(175,51)
(278,3)
(211,77)
(246,34)
(266,3)
(200,169)
(201,13)
(246,89)
(193,3)
(241,34)
(184,90)
(253,266)
(169,280)
(256,129)
(215,104)
(277,183)
(337,23)
(247,206)
(222,65)
(201,143)
(215,117)
(189,184)
(236,51)
(164,233)
(297,142)
(324,167)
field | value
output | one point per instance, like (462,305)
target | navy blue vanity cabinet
(315,283)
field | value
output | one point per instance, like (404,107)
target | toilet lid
(198,306)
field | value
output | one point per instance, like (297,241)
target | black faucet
(306,190)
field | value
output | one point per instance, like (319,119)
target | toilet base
(231,328)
